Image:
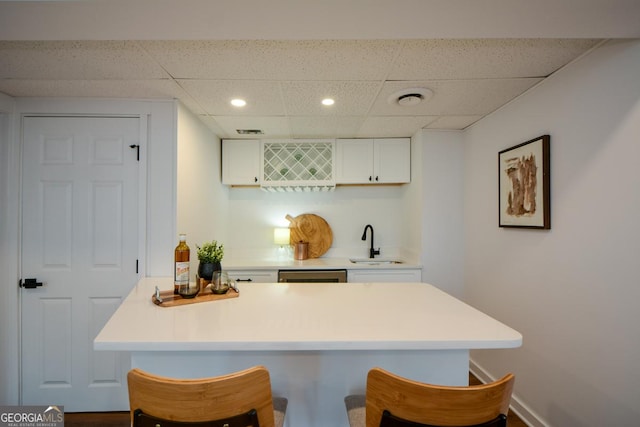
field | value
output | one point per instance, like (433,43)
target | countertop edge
(297,346)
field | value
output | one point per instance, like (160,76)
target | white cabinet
(295,163)
(368,275)
(278,164)
(385,275)
(354,161)
(392,160)
(253,276)
(373,161)
(241,161)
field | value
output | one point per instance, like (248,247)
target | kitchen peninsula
(318,340)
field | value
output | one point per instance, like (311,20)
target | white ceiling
(284,79)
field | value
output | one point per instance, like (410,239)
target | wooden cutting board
(313,229)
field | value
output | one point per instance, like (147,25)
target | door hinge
(137,147)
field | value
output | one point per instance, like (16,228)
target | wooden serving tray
(169,299)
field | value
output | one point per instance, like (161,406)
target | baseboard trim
(528,416)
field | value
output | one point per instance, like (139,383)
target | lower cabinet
(356,275)
(385,275)
(255,276)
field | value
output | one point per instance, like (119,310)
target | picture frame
(524,185)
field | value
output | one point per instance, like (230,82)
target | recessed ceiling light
(238,102)
(328,101)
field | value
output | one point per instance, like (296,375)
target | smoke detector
(410,96)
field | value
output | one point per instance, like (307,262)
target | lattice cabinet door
(299,163)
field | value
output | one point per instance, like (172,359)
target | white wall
(347,210)
(571,291)
(441,209)
(203,202)
(161,190)
(8,267)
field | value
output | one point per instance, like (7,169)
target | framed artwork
(524,185)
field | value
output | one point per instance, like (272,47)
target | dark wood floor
(121,419)
(96,419)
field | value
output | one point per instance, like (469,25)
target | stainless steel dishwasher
(312,276)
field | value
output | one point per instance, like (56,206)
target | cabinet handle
(244,280)
(376,178)
(255,179)
(370,178)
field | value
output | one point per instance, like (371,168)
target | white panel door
(80,240)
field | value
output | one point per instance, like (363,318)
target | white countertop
(309,316)
(257,263)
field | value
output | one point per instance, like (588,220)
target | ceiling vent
(410,96)
(249,131)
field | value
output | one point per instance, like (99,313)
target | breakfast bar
(318,340)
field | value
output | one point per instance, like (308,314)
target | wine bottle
(181,264)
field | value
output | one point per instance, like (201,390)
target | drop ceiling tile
(351,98)
(485,58)
(347,127)
(324,126)
(157,89)
(213,125)
(284,80)
(394,126)
(275,59)
(456,97)
(453,122)
(263,97)
(82,60)
(273,127)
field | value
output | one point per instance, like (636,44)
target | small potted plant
(209,254)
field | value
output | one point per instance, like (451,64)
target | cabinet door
(240,161)
(253,276)
(392,160)
(298,163)
(382,275)
(354,161)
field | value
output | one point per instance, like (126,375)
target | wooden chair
(240,399)
(415,404)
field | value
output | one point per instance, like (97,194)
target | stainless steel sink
(375,261)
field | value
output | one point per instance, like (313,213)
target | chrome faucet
(372,252)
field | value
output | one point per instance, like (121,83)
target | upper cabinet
(373,161)
(315,165)
(241,162)
(279,165)
(298,164)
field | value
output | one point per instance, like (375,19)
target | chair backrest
(432,404)
(204,399)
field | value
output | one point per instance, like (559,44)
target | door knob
(30,283)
